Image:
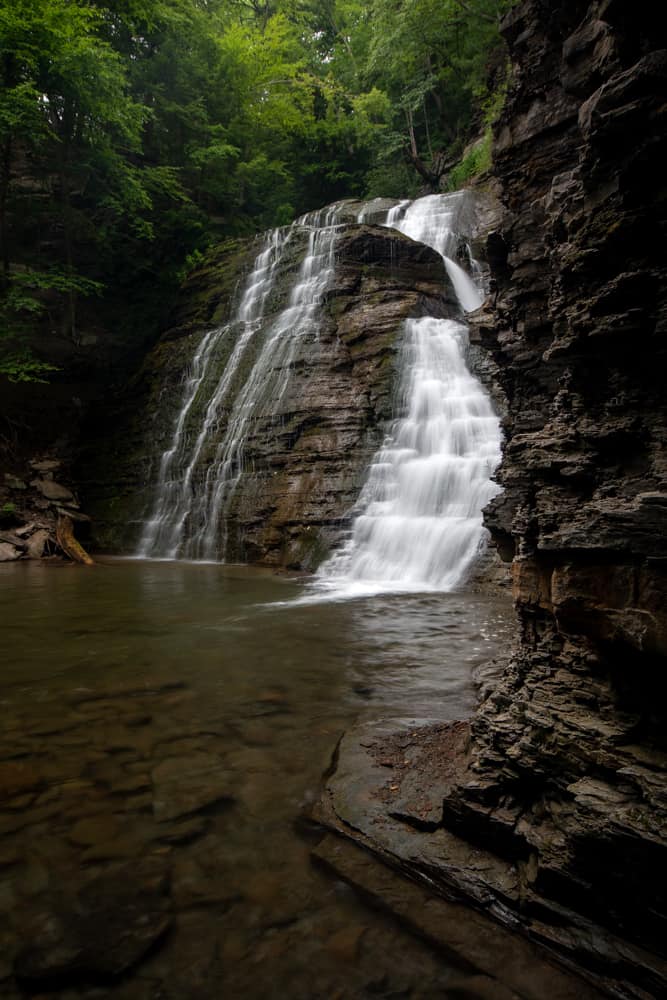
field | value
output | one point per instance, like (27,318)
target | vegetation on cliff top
(133,133)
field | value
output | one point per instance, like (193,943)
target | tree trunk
(5,177)
(65,150)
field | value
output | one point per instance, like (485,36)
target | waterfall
(263,389)
(418,522)
(187,520)
(162,536)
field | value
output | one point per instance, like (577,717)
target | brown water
(164,727)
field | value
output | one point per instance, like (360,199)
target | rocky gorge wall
(549,809)
(569,750)
(306,458)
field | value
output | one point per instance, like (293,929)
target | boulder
(9,552)
(52,490)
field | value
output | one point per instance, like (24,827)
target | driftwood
(67,541)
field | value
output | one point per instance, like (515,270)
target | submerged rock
(97,931)
(184,785)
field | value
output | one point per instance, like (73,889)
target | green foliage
(135,133)
(22,366)
(477,161)
(192,261)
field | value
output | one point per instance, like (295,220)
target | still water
(165,726)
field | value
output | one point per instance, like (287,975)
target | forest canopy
(134,133)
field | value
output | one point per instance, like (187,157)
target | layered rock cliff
(550,808)
(307,451)
(570,746)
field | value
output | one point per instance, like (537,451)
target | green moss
(479,158)
(476,162)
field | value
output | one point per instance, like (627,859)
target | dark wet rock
(184,831)
(344,944)
(18,777)
(95,830)
(97,931)
(506,964)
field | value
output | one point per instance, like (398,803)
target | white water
(163,534)
(188,517)
(263,389)
(419,524)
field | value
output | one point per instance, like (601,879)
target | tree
(133,133)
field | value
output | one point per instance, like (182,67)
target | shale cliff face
(559,784)
(567,767)
(305,458)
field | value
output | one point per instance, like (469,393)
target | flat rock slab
(98,930)
(386,794)
(52,490)
(494,962)
(382,789)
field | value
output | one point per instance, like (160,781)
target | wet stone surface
(164,728)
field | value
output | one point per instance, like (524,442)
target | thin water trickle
(164,532)
(263,390)
(194,488)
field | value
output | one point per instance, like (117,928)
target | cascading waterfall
(432,220)
(418,521)
(264,388)
(162,536)
(187,515)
